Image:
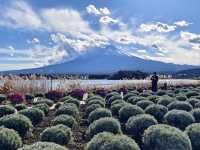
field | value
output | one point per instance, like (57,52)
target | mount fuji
(104,61)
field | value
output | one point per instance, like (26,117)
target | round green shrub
(129,110)
(9,139)
(165,100)
(164,137)
(117,102)
(145,94)
(192,93)
(128,95)
(196,114)
(116,107)
(136,125)
(104,125)
(108,141)
(179,118)
(29,98)
(68,110)
(43,146)
(181,97)
(193,101)
(20,107)
(153,98)
(91,108)
(161,92)
(39,95)
(109,95)
(197,105)
(179,105)
(6,110)
(193,131)
(158,111)
(74,101)
(34,114)
(43,106)
(59,134)
(134,100)
(44,100)
(2,97)
(66,120)
(102,103)
(18,122)
(112,99)
(99,113)
(144,103)
(96,98)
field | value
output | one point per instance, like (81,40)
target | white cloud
(159,27)
(19,15)
(33,41)
(108,20)
(91,9)
(182,23)
(105,11)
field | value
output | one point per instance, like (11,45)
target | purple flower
(77,93)
(16,98)
(54,95)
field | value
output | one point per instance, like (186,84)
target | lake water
(62,83)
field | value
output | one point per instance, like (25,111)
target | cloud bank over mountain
(51,35)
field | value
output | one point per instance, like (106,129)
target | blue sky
(35,33)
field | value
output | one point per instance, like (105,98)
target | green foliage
(43,106)
(181,97)
(95,98)
(66,120)
(34,114)
(193,101)
(116,107)
(128,95)
(43,146)
(73,101)
(144,103)
(20,107)
(6,110)
(129,110)
(161,93)
(158,111)
(112,99)
(109,95)
(102,103)
(99,113)
(59,134)
(179,105)
(68,110)
(196,114)
(91,108)
(192,93)
(164,137)
(193,131)
(165,100)
(134,100)
(179,118)
(104,125)
(9,139)
(2,97)
(41,100)
(18,122)
(108,141)
(136,125)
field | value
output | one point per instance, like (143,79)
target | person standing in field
(154,81)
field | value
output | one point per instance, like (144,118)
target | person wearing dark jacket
(154,81)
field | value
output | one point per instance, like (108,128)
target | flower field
(101,119)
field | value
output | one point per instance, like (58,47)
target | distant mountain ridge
(105,60)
